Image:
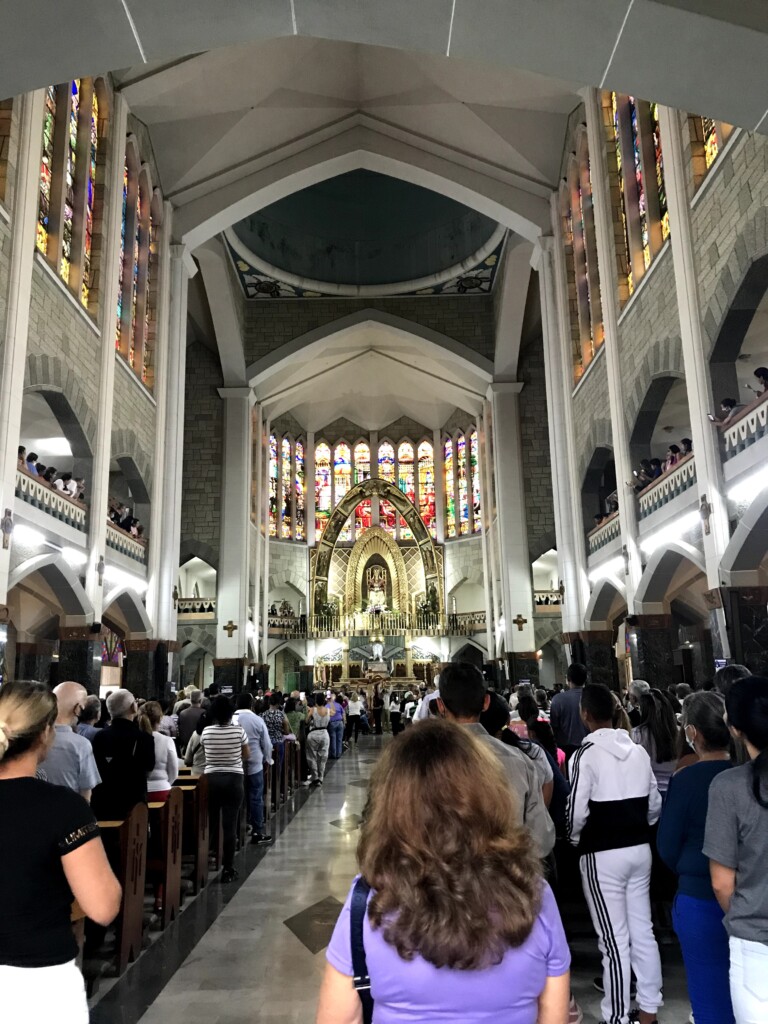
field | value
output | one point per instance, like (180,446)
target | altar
(378,668)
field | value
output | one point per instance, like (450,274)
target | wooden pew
(126,846)
(164,864)
(195,829)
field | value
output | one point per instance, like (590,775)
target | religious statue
(7,527)
(378,651)
(376,584)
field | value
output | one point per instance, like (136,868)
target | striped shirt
(223,745)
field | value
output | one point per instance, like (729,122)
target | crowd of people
(476,815)
(122,516)
(63,482)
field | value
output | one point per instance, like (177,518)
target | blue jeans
(255,785)
(704,941)
(336,734)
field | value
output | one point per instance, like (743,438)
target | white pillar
(517,592)
(159,460)
(485,538)
(181,269)
(606,256)
(491,522)
(709,473)
(102,456)
(14,353)
(232,577)
(265,550)
(254,519)
(437,460)
(309,501)
(571,552)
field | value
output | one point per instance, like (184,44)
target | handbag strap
(361,980)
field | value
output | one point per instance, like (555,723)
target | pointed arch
(748,546)
(607,593)
(62,581)
(132,609)
(661,577)
(376,542)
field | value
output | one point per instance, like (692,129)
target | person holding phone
(729,408)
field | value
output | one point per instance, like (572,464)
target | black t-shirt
(39,824)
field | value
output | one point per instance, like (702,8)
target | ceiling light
(675,531)
(28,536)
(52,446)
(125,579)
(613,567)
(746,490)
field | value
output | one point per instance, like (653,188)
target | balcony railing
(749,427)
(668,486)
(196,609)
(603,534)
(383,624)
(122,541)
(546,602)
(35,492)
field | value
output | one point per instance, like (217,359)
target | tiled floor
(260,951)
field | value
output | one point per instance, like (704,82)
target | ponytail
(760,777)
(747,707)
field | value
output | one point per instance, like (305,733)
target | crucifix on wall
(230,628)
(519,622)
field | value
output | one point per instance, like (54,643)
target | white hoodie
(614,797)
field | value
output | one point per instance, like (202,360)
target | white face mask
(689,741)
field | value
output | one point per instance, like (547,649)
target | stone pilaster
(747,617)
(80,657)
(229,672)
(34,661)
(652,649)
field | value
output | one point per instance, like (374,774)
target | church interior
(355,341)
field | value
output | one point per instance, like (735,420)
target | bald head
(70,698)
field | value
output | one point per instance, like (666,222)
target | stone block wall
(289,568)
(203,454)
(134,416)
(268,324)
(534,437)
(591,415)
(463,562)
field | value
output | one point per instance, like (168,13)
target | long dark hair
(747,707)
(541,732)
(659,719)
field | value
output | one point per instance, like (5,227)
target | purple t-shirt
(419,993)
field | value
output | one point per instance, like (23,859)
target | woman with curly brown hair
(460,926)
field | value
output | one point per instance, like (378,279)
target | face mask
(689,741)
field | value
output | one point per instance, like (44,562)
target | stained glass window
(450,489)
(121,268)
(406,481)
(362,472)
(69,195)
(323,495)
(586,266)
(427,486)
(135,282)
(641,200)
(286,479)
(474,470)
(151,249)
(342,481)
(711,142)
(299,484)
(49,125)
(659,161)
(274,469)
(622,195)
(387,517)
(461,473)
(89,199)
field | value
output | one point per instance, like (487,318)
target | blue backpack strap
(361,980)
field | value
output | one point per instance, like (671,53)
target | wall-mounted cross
(520,622)
(230,628)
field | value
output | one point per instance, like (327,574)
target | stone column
(34,661)
(167,567)
(490,525)
(437,459)
(228,674)
(18,297)
(254,533)
(488,581)
(309,503)
(606,255)
(80,656)
(709,473)
(408,656)
(517,592)
(102,455)
(265,553)
(232,577)
(571,549)
(652,650)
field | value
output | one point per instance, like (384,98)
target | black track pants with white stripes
(616,885)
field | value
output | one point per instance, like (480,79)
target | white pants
(43,995)
(749,981)
(318,743)
(616,885)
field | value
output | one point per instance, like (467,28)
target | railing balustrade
(668,486)
(750,425)
(33,491)
(197,606)
(380,623)
(547,602)
(122,541)
(608,530)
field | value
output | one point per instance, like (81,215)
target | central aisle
(263,958)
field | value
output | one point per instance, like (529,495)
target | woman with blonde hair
(166,770)
(450,919)
(51,852)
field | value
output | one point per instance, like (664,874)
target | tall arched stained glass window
(362,472)
(323,493)
(642,207)
(46,169)
(121,269)
(286,489)
(461,477)
(659,166)
(274,470)
(342,480)
(426,469)
(387,519)
(300,486)
(135,272)
(474,472)
(450,489)
(406,481)
(89,199)
(622,193)
(67,223)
